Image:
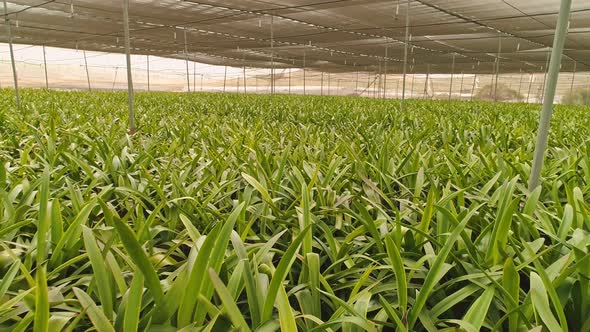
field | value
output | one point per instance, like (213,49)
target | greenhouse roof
(329,35)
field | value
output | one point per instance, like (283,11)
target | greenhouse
(295,165)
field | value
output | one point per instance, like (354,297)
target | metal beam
(128,57)
(549,95)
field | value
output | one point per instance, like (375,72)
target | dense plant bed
(294,213)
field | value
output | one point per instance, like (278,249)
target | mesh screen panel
(327,35)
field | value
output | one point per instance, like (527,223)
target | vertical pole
(426,82)
(329,77)
(224,78)
(188,81)
(530,86)
(412,86)
(14,75)
(45,67)
(304,92)
(545,76)
(194,76)
(115,79)
(379,83)
(322,85)
(356,87)
(201,82)
(406,41)
(148,72)
(461,86)
(385,74)
(573,78)
(497,67)
(128,57)
(473,87)
(520,82)
(452,74)
(368,84)
(272,55)
(87,73)
(245,87)
(289,80)
(549,95)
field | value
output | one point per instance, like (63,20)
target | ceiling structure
(329,35)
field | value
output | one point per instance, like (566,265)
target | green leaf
(133,309)
(280,274)
(541,303)
(101,275)
(400,275)
(41,302)
(100,321)
(435,269)
(228,302)
(478,311)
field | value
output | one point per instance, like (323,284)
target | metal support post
(128,57)
(45,68)
(461,86)
(497,67)
(322,85)
(520,82)
(406,41)
(473,87)
(224,78)
(245,86)
(549,95)
(304,87)
(452,74)
(530,86)
(87,73)
(14,75)
(385,74)
(426,82)
(148,72)
(272,55)
(573,78)
(545,76)
(188,80)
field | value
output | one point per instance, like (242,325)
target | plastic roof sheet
(328,35)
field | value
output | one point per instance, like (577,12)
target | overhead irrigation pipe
(132,129)
(14,75)
(547,110)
